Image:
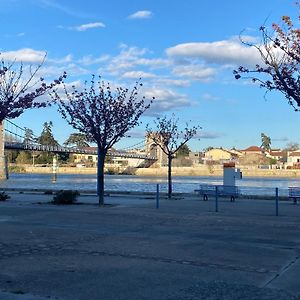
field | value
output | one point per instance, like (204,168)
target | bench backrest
(294,191)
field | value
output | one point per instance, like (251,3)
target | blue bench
(294,193)
(223,191)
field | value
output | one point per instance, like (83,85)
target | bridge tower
(152,149)
(3,163)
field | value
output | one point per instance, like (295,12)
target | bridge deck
(59,149)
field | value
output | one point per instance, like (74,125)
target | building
(277,154)
(196,157)
(293,158)
(219,155)
(253,150)
(86,158)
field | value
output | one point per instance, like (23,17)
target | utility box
(230,174)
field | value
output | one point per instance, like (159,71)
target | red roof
(277,153)
(90,148)
(295,153)
(253,149)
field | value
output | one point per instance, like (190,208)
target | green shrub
(111,171)
(65,197)
(3,196)
(16,169)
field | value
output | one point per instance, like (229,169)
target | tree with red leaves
(169,138)
(103,115)
(280,54)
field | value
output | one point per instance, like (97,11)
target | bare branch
(16,96)
(280,55)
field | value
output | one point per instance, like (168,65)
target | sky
(184,51)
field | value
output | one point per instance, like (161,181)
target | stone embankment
(201,170)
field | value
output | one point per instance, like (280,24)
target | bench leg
(232,199)
(295,200)
(205,198)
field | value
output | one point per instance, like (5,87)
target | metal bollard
(217,200)
(54,168)
(276,200)
(157,196)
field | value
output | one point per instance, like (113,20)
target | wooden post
(3,164)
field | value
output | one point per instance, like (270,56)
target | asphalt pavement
(129,249)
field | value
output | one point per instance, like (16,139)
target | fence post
(157,196)
(217,200)
(276,200)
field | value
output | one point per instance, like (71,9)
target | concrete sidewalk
(131,250)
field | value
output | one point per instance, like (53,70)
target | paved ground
(131,250)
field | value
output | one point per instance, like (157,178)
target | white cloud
(24,55)
(173,82)
(129,58)
(90,60)
(138,74)
(281,139)
(137,133)
(85,27)
(78,85)
(154,63)
(208,135)
(220,52)
(65,9)
(71,69)
(195,72)
(209,97)
(67,59)
(141,14)
(165,100)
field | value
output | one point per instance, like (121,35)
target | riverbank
(200,170)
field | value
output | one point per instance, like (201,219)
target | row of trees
(101,115)
(105,116)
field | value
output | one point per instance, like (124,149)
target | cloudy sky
(184,51)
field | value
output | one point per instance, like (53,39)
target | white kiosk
(230,174)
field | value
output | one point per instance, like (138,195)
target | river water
(247,185)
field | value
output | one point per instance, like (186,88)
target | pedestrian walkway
(132,250)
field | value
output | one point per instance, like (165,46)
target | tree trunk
(100,175)
(3,164)
(170,176)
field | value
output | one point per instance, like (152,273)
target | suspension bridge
(13,137)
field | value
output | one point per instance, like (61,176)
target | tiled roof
(253,149)
(90,148)
(295,153)
(277,153)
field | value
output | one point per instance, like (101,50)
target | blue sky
(184,51)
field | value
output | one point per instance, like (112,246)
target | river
(247,185)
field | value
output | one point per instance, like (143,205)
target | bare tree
(19,90)
(169,138)
(280,54)
(103,115)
